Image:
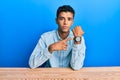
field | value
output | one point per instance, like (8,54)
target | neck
(63,35)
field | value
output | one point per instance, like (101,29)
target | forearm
(39,57)
(78,55)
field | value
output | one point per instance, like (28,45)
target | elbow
(31,65)
(76,67)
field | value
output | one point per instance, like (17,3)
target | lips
(65,27)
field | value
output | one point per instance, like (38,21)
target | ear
(56,20)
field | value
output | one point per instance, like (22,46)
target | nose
(65,22)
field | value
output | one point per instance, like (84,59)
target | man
(61,47)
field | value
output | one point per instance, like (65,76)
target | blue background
(23,21)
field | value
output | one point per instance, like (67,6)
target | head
(65,18)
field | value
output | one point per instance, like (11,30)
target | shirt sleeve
(78,55)
(39,55)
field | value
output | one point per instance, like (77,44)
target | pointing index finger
(68,39)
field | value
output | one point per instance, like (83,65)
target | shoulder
(48,34)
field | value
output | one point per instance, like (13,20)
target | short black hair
(65,8)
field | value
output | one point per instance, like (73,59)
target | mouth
(65,27)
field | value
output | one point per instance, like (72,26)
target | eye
(70,19)
(60,18)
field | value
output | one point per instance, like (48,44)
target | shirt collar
(69,35)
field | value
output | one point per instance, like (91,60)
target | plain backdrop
(23,21)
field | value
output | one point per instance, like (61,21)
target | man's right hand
(60,45)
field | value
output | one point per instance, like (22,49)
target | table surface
(86,73)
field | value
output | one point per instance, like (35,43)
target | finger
(73,30)
(65,40)
(79,28)
(82,32)
(68,39)
(64,48)
(65,44)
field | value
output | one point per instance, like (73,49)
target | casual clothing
(72,57)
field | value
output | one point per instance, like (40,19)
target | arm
(78,50)
(78,55)
(39,55)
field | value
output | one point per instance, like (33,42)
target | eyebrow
(63,17)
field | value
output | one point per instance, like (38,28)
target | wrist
(77,40)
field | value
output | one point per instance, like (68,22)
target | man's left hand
(77,31)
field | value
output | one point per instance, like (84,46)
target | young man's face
(64,21)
